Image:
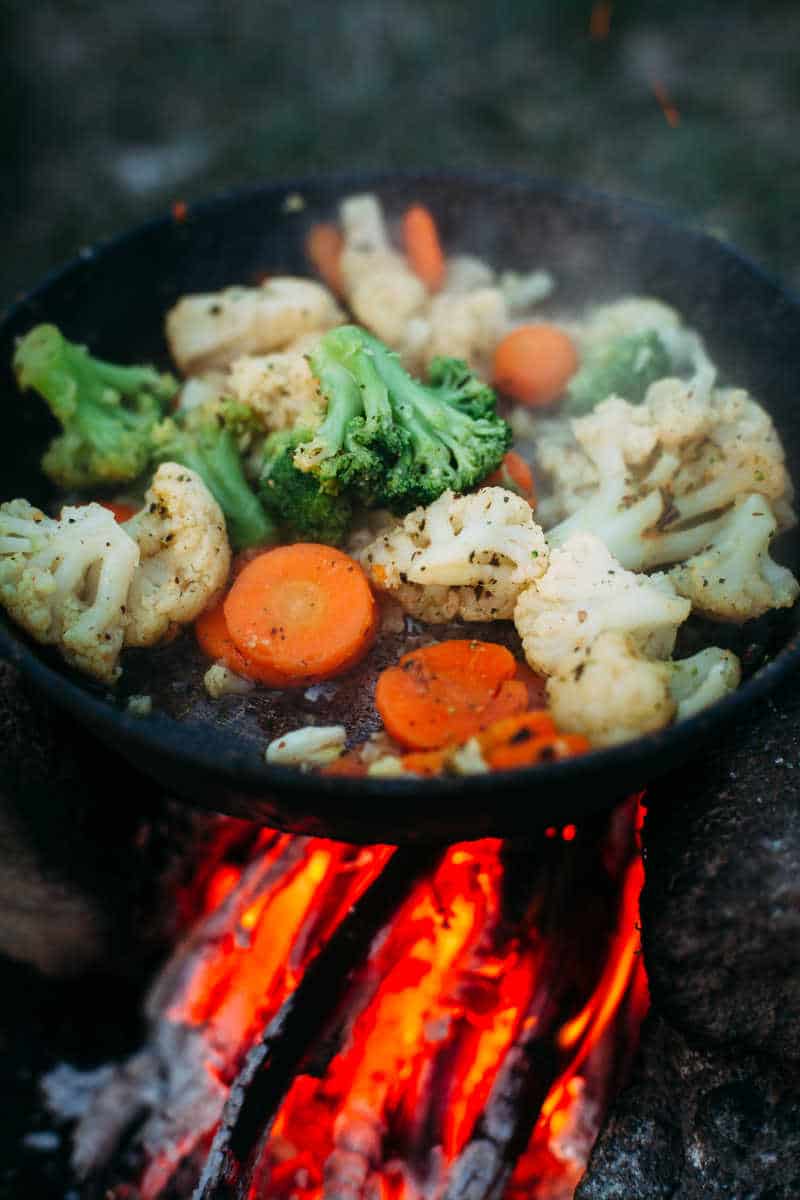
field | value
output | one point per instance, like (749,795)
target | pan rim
(188,744)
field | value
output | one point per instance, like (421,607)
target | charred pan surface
(173,676)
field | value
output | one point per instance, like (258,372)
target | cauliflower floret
(466,556)
(67,581)
(642,314)
(621,318)
(610,693)
(466,273)
(212,330)
(381,289)
(585,592)
(740,453)
(185,556)
(524,292)
(280,387)
(667,468)
(734,578)
(467,326)
(563,470)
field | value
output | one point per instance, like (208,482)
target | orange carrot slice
(425,762)
(527,739)
(513,473)
(349,765)
(324,244)
(447,692)
(423,248)
(534,363)
(301,613)
(214,639)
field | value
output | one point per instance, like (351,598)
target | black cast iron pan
(114,297)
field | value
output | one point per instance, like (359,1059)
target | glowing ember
(455,1007)
(671,114)
(473,1053)
(600,20)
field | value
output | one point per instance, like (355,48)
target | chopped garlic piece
(388,767)
(311,746)
(220,681)
(468,759)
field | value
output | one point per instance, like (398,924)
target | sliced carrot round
(423,248)
(350,765)
(425,762)
(445,693)
(122,511)
(513,473)
(536,685)
(527,739)
(301,613)
(534,363)
(214,639)
(324,245)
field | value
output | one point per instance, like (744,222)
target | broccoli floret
(296,499)
(107,411)
(206,439)
(623,367)
(455,384)
(393,440)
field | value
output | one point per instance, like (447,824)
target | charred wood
(290,1040)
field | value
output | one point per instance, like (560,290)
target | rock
(713,1110)
(695,1125)
(721,906)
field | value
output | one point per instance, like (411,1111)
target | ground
(111,110)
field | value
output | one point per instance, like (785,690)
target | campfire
(253,1066)
(347,1022)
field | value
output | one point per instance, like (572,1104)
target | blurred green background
(112,110)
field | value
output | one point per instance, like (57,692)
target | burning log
(230,976)
(473,972)
(451,1037)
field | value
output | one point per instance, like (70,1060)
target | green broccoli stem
(344,403)
(212,453)
(347,345)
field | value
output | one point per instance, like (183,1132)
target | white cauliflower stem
(585,592)
(702,679)
(212,330)
(466,556)
(669,467)
(734,578)
(185,556)
(382,290)
(66,581)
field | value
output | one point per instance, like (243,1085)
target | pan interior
(597,249)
